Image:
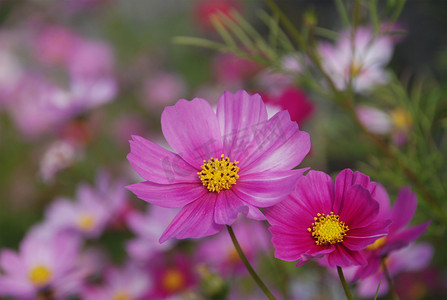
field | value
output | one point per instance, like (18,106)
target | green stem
(344,283)
(250,269)
(393,293)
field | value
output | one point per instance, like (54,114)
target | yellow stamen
(377,244)
(173,280)
(356,69)
(401,119)
(218,174)
(328,229)
(39,275)
(86,222)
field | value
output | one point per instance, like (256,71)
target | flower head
(44,266)
(326,220)
(229,161)
(360,58)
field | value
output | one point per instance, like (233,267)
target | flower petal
(289,246)
(404,209)
(359,238)
(345,179)
(227,207)
(11,263)
(277,145)
(238,114)
(267,188)
(159,165)
(192,130)
(343,257)
(358,209)
(168,195)
(195,220)
(404,237)
(316,193)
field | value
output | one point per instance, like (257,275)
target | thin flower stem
(344,283)
(393,293)
(250,269)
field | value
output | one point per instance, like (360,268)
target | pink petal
(168,195)
(195,220)
(384,203)
(404,237)
(404,209)
(159,165)
(343,257)
(227,207)
(21,288)
(372,267)
(11,263)
(358,209)
(192,130)
(290,213)
(344,181)
(267,188)
(288,245)
(316,193)
(238,114)
(278,144)
(359,238)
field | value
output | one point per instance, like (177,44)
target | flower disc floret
(40,275)
(219,174)
(328,229)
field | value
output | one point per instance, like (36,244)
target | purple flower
(43,267)
(87,215)
(326,220)
(399,234)
(229,161)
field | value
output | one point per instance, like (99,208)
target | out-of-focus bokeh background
(79,77)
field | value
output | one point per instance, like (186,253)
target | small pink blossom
(329,221)
(361,58)
(43,267)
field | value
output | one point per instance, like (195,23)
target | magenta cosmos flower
(229,161)
(326,220)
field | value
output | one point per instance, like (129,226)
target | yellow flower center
(173,280)
(218,174)
(328,229)
(377,244)
(39,275)
(356,69)
(86,222)
(121,295)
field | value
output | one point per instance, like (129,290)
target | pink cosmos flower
(229,161)
(148,228)
(87,215)
(44,268)
(399,234)
(361,58)
(218,251)
(326,220)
